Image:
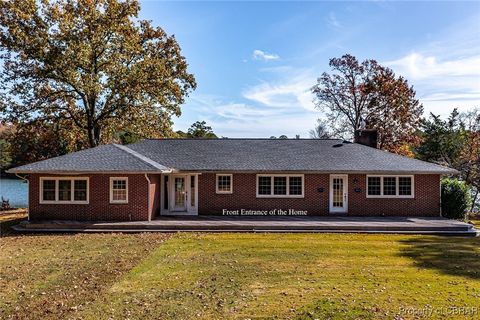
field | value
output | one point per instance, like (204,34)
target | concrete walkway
(335,224)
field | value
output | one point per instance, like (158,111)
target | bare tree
(366,92)
(320,131)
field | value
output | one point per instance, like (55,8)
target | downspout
(148,198)
(28,194)
(440,196)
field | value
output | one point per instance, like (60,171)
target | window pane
(389,186)
(119,195)
(295,186)
(405,186)
(119,184)
(80,190)
(280,185)
(264,185)
(374,186)
(337,190)
(49,190)
(64,190)
(224,183)
(119,192)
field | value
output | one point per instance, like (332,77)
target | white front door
(338,193)
(179,194)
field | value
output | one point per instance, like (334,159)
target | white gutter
(148,198)
(28,195)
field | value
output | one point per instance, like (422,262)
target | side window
(119,190)
(279,186)
(374,186)
(48,193)
(224,183)
(264,185)
(61,190)
(390,186)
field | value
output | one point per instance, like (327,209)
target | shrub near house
(456,199)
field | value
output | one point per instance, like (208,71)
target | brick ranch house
(230,177)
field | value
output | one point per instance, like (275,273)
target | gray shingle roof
(295,155)
(278,155)
(105,158)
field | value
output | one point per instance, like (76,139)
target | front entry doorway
(179,194)
(338,193)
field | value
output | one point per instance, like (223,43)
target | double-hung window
(279,186)
(118,190)
(390,186)
(63,190)
(224,183)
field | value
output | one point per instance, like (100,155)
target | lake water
(16,191)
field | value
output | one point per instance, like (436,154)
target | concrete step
(186,226)
(470,233)
(109,227)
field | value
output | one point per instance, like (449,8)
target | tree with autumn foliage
(454,142)
(366,94)
(91,64)
(29,142)
(471,154)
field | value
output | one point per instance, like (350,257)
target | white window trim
(111,190)
(397,187)
(271,195)
(72,201)
(231,183)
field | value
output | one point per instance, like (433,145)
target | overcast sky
(255,61)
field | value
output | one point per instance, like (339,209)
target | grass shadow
(450,255)
(6,226)
(329,309)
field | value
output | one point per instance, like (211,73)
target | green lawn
(237,276)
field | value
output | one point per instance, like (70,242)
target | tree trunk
(94,135)
(91,137)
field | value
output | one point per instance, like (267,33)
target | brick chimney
(367,137)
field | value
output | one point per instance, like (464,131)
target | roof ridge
(141,157)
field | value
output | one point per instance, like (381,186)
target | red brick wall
(425,203)
(244,195)
(99,207)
